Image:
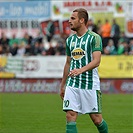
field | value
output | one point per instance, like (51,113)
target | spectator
(51,50)
(42,49)
(60,46)
(27,38)
(105,32)
(123,48)
(30,41)
(115,33)
(60,49)
(110,48)
(92,26)
(38,39)
(99,25)
(13,40)
(4,41)
(21,49)
(131,47)
(1,50)
(14,49)
(50,30)
(28,49)
(123,37)
(35,49)
(7,52)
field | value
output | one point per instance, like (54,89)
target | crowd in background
(114,41)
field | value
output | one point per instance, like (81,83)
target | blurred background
(32,57)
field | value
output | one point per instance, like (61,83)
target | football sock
(102,128)
(71,127)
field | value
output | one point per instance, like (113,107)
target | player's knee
(71,116)
(96,118)
(97,121)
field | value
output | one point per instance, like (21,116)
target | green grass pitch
(42,113)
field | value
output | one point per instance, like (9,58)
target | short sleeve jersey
(80,50)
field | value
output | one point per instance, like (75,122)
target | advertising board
(53,85)
(52,66)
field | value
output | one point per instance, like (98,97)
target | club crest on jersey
(83,43)
(78,53)
(73,43)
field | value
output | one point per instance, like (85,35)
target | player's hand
(62,92)
(74,72)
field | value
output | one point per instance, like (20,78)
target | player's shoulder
(70,37)
(91,33)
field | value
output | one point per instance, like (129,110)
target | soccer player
(80,85)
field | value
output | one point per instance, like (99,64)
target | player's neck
(81,31)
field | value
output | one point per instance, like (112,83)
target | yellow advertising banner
(110,67)
(116,67)
(3,73)
(7,75)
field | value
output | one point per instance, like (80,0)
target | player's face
(74,21)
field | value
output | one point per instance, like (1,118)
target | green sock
(102,128)
(71,127)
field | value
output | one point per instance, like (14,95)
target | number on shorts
(66,103)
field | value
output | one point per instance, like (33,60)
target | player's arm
(65,75)
(94,63)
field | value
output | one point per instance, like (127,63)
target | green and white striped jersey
(80,49)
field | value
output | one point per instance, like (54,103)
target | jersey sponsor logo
(78,53)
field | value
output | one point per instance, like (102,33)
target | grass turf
(42,113)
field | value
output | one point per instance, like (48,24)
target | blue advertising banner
(25,10)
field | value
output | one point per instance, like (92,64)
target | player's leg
(71,105)
(91,104)
(99,122)
(71,117)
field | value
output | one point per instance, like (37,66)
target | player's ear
(82,20)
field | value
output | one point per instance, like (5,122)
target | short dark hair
(82,13)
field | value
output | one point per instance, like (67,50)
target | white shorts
(82,101)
